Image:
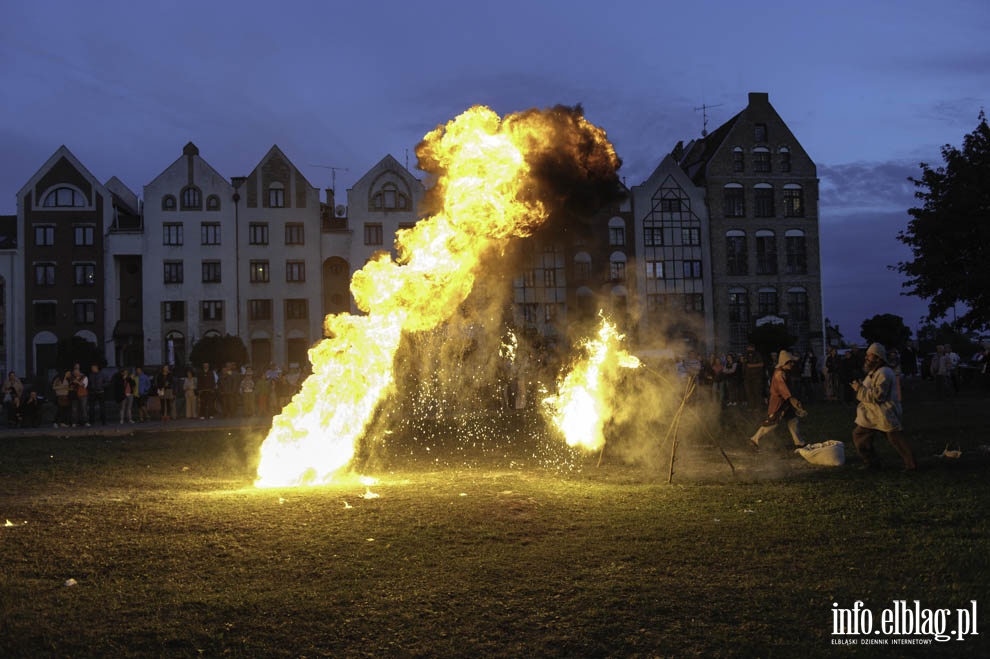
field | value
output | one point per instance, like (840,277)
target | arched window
(389,198)
(192,198)
(213,203)
(617,266)
(797,304)
(734,200)
(763,200)
(616,232)
(738,159)
(796,251)
(168,203)
(766,302)
(738,305)
(766,252)
(793,200)
(64,197)
(761,160)
(582,267)
(735,253)
(785,159)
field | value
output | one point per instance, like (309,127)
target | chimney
(759,98)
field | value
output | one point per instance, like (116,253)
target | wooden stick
(675,423)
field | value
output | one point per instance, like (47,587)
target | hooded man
(782,405)
(879,410)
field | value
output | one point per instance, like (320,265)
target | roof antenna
(704,116)
(333,175)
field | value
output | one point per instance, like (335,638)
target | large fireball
(496,180)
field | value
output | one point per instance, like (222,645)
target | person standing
(165,383)
(189,393)
(247,392)
(80,404)
(97,395)
(809,376)
(206,389)
(940,368)
(879,410)
(783,406)
(127,389)
(60,388)
(833,383)
(143,391)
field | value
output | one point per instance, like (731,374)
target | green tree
(949,235)
(886,329)
(218,350)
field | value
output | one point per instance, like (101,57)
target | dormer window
(64,197)
(759,132)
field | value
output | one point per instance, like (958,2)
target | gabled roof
(61,152)
(388,163)
(277,151)
(700,152)
(189,149)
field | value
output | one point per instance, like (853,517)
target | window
(785,159)
(796,252)
(85,274)
(617,267)
(44,235)
(192,199)
(738,305)
(692,269)
(616,232)
(168,203)
(694,303)
(172,233)
(797,304)
(372,234)
(295,271)
(389,198)
(260,309)
(763,200)
(766,253)
(766,302)
(297,309)
(213,203)
(549,277)
(652,236)
(173,272)
(761,160)
(735,252)
(64,198)
(582,267)
(44,313)
(276,195)
(211,310)
(209,233)
(258,233)
(690,236)
(759,132)
(654,269)
(738,160)
(84,313)
(259,273)
(173,311)
(84,234)
(734,201)
(44,274)
(793,201)
(211,272)
(294,233)
(656,302)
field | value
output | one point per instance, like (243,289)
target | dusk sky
(870,90)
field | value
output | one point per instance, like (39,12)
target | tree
(218,350)
(886,329)
(949,235)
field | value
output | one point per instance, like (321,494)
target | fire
(497,179)
(583,404)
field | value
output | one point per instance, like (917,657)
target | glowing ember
(583,404)
(496,180)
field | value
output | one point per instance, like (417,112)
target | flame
(583,403)
(488,193)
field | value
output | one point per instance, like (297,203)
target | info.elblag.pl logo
(902,623)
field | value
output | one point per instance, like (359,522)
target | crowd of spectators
(83,397)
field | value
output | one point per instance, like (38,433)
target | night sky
(869,89)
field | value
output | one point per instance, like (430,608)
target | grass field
(506,549)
